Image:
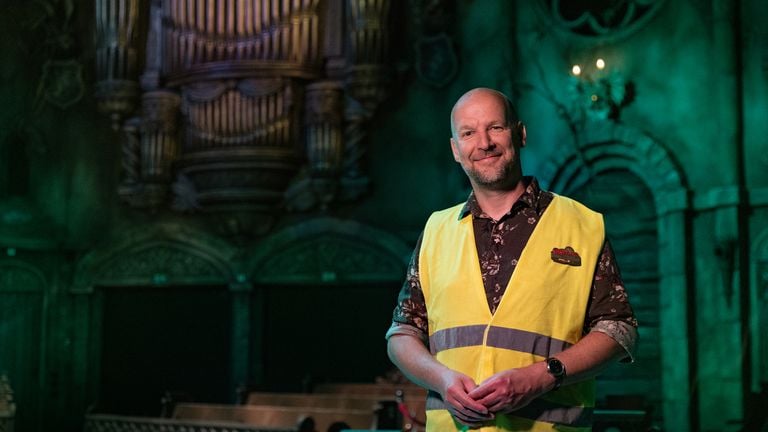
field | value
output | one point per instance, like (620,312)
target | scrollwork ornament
(599,20)
(158,260)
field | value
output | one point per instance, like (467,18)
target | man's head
(486,139)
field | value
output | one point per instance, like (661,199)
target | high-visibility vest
(541,313)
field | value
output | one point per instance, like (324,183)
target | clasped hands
(472,404)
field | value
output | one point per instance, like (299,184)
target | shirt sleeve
(410,314)
(609,310)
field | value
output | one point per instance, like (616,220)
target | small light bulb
(600,63)
(576,70)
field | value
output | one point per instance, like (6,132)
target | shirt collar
(529,198)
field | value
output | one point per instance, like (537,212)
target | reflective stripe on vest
(498,337)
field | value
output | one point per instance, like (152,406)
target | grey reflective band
(456,337)
(498,337)
(538,409)
(525,341)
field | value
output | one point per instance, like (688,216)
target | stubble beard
(502,178)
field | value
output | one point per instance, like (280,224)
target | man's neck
(496,203)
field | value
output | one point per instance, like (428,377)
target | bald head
(483,93)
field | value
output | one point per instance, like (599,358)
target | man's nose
(485,142)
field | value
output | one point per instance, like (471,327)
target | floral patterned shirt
(499,246)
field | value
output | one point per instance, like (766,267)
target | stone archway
(604,147)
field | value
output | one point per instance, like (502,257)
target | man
(513,301)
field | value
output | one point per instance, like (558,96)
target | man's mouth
(487,157)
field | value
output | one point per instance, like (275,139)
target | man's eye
(497,128)
(467,134)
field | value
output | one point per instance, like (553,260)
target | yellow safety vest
(541,313)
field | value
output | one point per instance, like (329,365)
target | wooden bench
(298,417)
(377,389)
(385,407)
(412,398)
(329,400)
(117,423)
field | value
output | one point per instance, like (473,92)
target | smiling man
(513,301)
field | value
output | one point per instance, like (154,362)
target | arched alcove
(636,183)
(154,314)
(323,296)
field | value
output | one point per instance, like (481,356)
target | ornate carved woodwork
(237,97)
(328,250)
(159,254)
(117,57)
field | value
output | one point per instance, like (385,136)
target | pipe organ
(241,104)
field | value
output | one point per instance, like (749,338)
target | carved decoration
(15,277)
(329,259)
(329,250)
(63,82)
(241,71)
(158,254)
(240,140)
(599,20)
(159,260)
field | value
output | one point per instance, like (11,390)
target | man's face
(484,142)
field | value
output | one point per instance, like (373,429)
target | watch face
(555,367)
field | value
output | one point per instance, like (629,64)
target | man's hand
(512,389)
(455,392)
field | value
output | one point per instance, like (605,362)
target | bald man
(513,301)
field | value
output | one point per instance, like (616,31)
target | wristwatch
(557,369)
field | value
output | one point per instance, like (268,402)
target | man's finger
(481,391)
(470,405)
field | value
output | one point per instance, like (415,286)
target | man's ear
(522,132)
(455,150)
